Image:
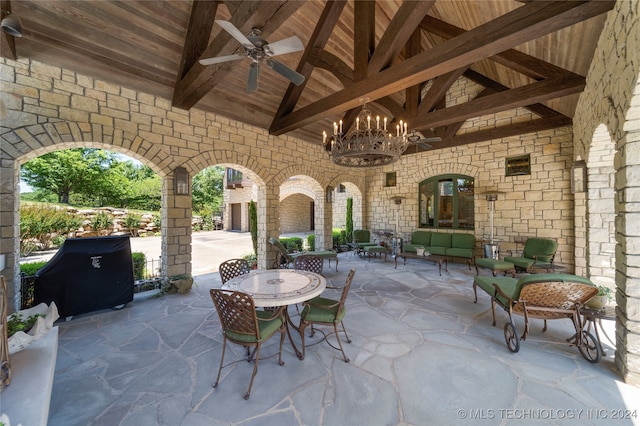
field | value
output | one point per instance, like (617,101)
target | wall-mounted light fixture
(181,181)
(11,24)
(579,177)
(329,195)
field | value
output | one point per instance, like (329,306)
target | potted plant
(180,284)
(252,259)
(600,300)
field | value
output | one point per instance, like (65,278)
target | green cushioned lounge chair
(538,252)
(546,297)
(286,259)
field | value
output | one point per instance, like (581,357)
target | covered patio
(422,350)
(422,353)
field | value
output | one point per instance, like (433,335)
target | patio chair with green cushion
(546,297)
(232,268)
(537,252)
(323,311)
(243,325)
(286,259)
(362,239)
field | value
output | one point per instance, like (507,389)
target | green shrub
(139,265)
(339,237)
(38,226)
(292,243)
(311,241)
(102,221)
(132,222)
(31,268)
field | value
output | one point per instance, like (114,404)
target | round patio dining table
(272,288)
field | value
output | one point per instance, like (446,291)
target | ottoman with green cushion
(375,250)
(496,266)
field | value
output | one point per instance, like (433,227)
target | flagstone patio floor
(422,353)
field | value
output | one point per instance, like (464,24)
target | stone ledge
(26,400)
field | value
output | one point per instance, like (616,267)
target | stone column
(628,262)
(580,225)
(176,230)
(269,226)
(324,222)
(10,230)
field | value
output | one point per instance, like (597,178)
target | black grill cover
(87,274)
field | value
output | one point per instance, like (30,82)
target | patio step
(26,400)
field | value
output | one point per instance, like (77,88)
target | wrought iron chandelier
(369,144)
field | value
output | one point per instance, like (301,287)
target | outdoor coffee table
(272,288)
(427,256)
(595,317)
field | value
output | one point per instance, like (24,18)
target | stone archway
(601,214)
(32,141)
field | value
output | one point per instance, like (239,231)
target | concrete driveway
(208,248)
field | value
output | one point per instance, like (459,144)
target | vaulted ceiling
(402,55)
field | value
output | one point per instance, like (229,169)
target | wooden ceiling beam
(527,65)
(538,109)
(370,59)
(412,94)
(526,23)
(509,99)
(396,36)
(516,129)
(321,33)
(438,90)
(203,14)
(200,79)
(330,62)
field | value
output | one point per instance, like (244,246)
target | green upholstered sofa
(536,252)
(454,244)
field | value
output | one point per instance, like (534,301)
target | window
(446,201)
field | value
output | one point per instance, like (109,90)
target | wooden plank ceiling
(402,55)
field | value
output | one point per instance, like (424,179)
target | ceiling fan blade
(235,33)
(252,81)
(295,77)
(288,45)
(219,59)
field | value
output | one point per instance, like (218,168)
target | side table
(594,317)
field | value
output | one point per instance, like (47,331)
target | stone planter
(181,285)
(597,302)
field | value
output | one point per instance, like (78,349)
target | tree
(207,190)
(77,170)
(349,222)
(253,225)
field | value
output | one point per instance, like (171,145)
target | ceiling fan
(417,138)
(259,50)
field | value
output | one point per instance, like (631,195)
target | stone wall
(535,205)
(295,213)
(44,108)
(607,119)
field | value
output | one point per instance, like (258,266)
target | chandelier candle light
(366,146)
